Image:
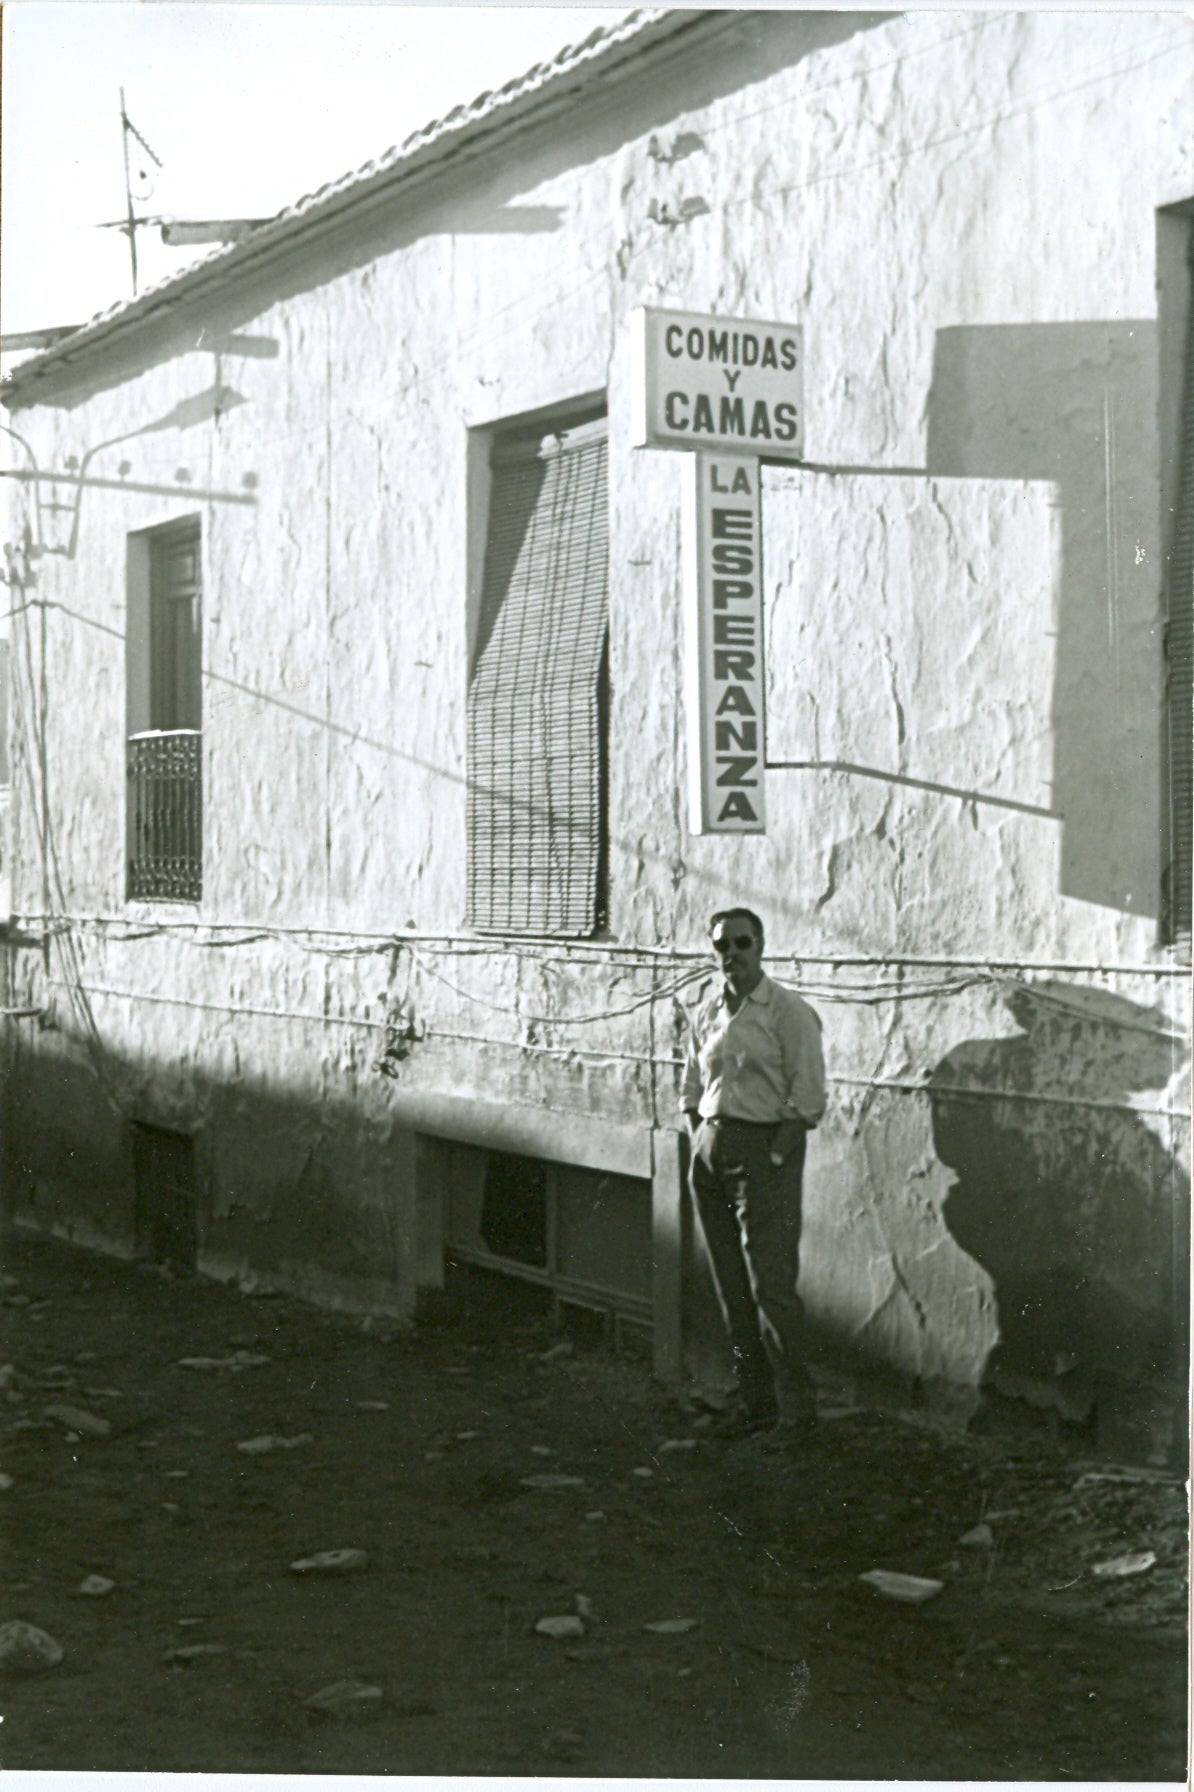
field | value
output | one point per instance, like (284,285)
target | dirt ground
(415,1447)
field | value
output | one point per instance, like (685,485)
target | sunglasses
(741,940)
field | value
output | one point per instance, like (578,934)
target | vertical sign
(724,645)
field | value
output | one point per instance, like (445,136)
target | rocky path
(181,1447)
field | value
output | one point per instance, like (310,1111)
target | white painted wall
(963,612)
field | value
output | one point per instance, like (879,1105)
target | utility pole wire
(127,129)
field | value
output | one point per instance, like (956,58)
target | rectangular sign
(724,645)
(717,382)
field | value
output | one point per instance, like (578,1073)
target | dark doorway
(166,1207)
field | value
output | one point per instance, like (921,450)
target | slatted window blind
(537,709)
(1179,642)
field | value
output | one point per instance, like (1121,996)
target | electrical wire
(966,1091)
(875,993)
(548,947)
(570,1020)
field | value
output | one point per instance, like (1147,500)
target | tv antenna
(133,223)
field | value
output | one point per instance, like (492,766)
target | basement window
(583,1234)
(166,1198)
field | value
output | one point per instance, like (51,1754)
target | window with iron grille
(165,759)
(539,691)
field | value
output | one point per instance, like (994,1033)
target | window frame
(163,765)
(559,893)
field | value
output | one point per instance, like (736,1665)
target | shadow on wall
(1079,1214)
(237,1177)
(1075,404)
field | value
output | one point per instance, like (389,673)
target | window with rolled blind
(538,692)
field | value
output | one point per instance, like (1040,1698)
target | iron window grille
(165,774)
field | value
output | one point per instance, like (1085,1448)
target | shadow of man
(1074,1207)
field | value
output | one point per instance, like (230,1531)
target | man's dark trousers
(750,1214)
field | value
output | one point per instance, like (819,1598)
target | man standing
(754,1087)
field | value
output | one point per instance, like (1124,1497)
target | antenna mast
(127,130)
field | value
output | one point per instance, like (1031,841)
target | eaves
(482,127)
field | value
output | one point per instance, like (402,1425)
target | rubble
(86,1424)
(95,1586)
(344,1698)
(331,1561)
(1129,1475)
(549,1483)
(501,1555)
(909,1589)
(563,1745)
(239,1359)
(1119,1567)
(261,1446)
(24,1649)
(569,1625)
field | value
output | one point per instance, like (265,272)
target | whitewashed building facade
(354,899)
